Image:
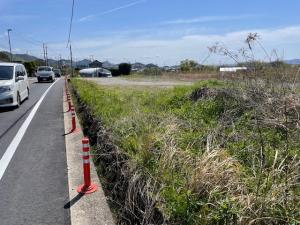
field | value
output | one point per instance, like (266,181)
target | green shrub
(30,67)
(4,57)
(125,68)
(115,72)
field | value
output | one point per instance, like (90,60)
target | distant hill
(293,61)
(138,65)
(151,65)
(83,63)
(109,65)
(25,57)
(5,56)
(52,62)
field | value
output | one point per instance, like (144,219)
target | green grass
(165,134)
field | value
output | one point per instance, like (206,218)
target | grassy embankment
(213,153)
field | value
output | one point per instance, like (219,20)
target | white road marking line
(10,151)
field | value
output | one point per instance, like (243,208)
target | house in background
(95,64)
(232,69)
(229,71)
(138,67)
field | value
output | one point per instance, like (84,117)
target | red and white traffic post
(66,83)
(88,187)
(74,127)
(67,90)
(69,102)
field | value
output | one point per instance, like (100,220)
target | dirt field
(117,81)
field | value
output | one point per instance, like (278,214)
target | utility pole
(60,66)
(44,54)
(92,58)
(71,57)
(11,57)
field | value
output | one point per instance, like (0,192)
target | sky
(163,32)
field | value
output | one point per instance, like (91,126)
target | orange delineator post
(74,127)
(88,187)
(69,102)
(66,85)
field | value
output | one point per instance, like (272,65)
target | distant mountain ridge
(108,65)
(293,61)
(19,57)
(25,57)
(84,62)
(5,56)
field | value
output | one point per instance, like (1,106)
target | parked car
(14,86)
(57,72)
(45,73)
(104,73)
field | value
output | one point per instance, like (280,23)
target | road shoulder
(87,209)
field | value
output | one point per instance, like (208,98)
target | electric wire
(71,23)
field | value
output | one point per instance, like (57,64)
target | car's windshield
(56,71)
(6,72)
(44,69)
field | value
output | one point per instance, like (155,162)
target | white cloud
(17,50)
(172,50)
(85,44)
(92,16)
(204,19)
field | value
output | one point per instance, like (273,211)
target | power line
(27,39)
(69,38)
(71,23)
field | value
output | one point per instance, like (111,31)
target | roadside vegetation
(211,154)
(218,152)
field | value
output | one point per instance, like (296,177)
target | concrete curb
(84,209)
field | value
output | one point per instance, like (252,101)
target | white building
(232,69)
(95,72)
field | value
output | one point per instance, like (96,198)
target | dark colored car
(57,72)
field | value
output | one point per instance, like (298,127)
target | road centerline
(10,151)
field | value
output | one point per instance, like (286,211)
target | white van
(14,86)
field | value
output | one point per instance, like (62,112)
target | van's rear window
(6,72)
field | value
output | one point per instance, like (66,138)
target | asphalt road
(34,187)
